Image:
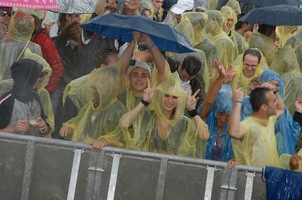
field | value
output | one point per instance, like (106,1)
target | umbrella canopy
(120,27)
(31,4)
(76,6)
(264,3)
(275,15)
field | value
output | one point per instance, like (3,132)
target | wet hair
(174,64)
(258,97)
(37,26)
(101,57)
(192,65)
(266,29)
(253,52)
(72,32)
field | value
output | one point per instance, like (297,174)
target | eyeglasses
(3,13)
(252,66)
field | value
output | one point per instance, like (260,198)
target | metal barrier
(33,168)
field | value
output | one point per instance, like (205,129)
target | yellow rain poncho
(265,44)
(186,28)
(20,30)
(198,21)
(286,65)
(240,80)
(239,40)
(234,4)
(284,33)
(177,134)
(258,147)
(226,48)
(99,119)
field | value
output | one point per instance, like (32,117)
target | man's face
(139,79)
(250,64)
(272,104)
(184,76)
(157,4)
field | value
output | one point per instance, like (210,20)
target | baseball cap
(140,64)
(182,5)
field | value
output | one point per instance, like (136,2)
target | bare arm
(160,62)
(20,126)
(201,126)
(128,118)
(127,56)
(279,106)
(234,122)
(274,86)
(214,89)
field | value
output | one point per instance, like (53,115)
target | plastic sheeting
(282,184)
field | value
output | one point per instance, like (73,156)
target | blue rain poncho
(219,144)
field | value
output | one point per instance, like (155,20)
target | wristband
(152,45)
(237,101)
(192,113)
(145,103)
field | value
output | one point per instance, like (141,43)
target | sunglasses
(3,13)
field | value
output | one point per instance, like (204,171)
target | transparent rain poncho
(186,28)
(204,71)
(101,121)
(258,147)
(295,39)
(298,52)
(234,4)
(6,86)
(178,134)
(239,40)
(286,129)
(286,65)
(219,144)
(198,21)
(284,33)
(20,30)
(226,48)
(241,81)
(265,44)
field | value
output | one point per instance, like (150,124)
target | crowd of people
(236,98)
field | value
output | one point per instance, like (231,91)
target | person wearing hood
(97,123)
(21,109)
(20,30)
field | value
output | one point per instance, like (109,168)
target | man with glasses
(5,14)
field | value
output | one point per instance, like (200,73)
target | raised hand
(192,100)
(238,95)
(148,92)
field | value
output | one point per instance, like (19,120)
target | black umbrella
(120,27)
(264,3)
(275,15)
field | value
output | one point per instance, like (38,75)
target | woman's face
(169,102)
(250,64)
(222,118)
